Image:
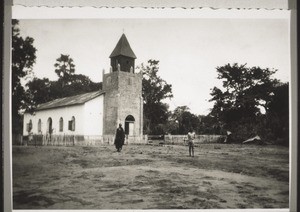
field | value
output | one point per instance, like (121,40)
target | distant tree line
(251,102)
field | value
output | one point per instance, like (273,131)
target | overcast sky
(189,50)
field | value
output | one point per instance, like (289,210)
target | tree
(68,84)
(245,94)
(39,91)
(77,84)
(154,90)
(64,68)
(44,90)
(185,120)
(210,125)
(23,59)
(278,114)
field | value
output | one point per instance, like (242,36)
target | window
(129,81)
(39,126)
(61,124)
(29,126)
(49,126)
(71,126)
(108,80)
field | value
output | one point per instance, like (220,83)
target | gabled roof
(68,101)
(123,48)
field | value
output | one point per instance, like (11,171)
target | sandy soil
(150,177)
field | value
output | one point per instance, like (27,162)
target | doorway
(129,125)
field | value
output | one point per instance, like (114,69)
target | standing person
(191,137)
(120,137)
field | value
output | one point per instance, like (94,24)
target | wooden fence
(81,140)
(182,139)
(75,140)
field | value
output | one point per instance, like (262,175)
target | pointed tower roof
(123,48)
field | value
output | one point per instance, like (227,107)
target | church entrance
(129,125)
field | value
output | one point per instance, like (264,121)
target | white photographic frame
(7,101)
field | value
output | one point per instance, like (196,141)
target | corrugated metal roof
(68,101)
(123,48)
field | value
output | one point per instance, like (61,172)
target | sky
(189,49)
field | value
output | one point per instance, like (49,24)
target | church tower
(122,56)
(123,101)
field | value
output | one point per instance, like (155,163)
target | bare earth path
(150,177)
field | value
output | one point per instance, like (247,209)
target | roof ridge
(70,100)
(65,97)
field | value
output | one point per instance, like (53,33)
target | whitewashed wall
(65,112)
(93,118)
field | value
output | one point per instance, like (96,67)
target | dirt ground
(150,177)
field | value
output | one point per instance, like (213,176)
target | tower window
(129,81)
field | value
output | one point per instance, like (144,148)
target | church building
(95,115)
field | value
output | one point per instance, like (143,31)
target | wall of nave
(93,117)
(60,118)
(84,119)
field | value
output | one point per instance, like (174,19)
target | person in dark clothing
(120,137)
